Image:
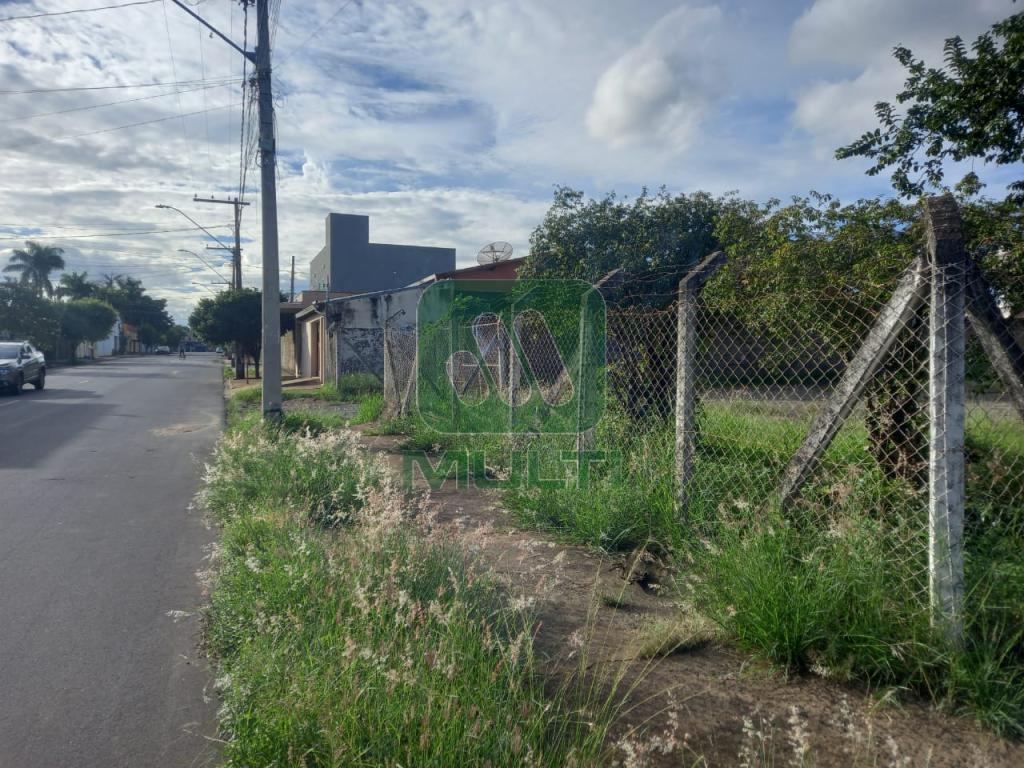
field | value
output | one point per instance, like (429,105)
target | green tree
(232,317)
(149,336)
(810,277)
(128,296)
(174,336)
(653,238)
(26,315)
(87,320)
(971,108)
(75,285)
(35,264)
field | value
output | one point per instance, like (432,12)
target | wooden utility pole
(271,342)
(268,203)
(236,264)
(236,252)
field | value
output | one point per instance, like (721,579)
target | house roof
(477,270)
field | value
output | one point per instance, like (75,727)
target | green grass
(838,581)
(852,604)
(346,636)
(370,408)
(311,421)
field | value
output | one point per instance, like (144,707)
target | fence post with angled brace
(947,258)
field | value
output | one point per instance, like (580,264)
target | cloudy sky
(447,121)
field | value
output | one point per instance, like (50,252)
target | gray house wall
(356,329)
(350,262)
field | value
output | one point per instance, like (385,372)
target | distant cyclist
(181,351)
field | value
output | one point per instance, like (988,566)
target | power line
(174,71)
(42,139)
(109,104)
(220,81)
(245,94)
(313,34)
(206,121)
(112,234)
(79,10)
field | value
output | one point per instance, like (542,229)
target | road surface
(99,549)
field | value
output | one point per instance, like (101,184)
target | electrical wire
(113,234)
(220,81)
(313,34)
(109,104)
(78,10)
(245,95)
(206,121)
(42,139)
(174,71)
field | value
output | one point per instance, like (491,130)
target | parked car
(21,364)
(163,349)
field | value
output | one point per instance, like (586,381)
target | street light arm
(250,56)
(208,264)
(197,224)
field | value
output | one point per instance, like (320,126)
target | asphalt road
(99,550)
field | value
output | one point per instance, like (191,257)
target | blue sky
(447,121)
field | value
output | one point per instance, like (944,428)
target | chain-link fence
(834,405)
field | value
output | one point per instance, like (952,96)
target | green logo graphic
(510,356)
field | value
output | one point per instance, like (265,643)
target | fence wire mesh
(765,369)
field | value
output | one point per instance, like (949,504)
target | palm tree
(75,285)
(35,264)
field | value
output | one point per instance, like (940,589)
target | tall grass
(370,408)
(349,634)
(837,582)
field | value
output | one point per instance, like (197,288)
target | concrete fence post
(948,261)
(583,439)
(390,385)
(686,356)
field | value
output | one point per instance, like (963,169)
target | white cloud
(660,89)
(447,121)
(851,32)
(856,38)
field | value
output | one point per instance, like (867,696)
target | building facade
(350,262)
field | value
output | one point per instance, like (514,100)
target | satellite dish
(495,252)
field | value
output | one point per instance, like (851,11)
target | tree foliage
(128,296)
(87,320)
(75,285)
(81,309)
(653,238)
(34,264)
(232,317)
(26,315)
(174,336)
(149,336)
(971,108)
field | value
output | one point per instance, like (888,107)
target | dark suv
(21,364)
